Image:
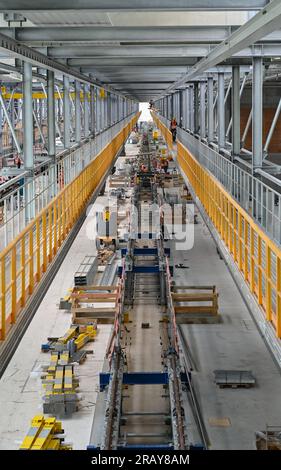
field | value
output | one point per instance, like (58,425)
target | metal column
(196,107)
(181,107)
(191,108)
(51,113)
(77,112)
(257,124)
(66,112)
(221,112)
(27,117)
(210,109)
(86,110)
(235,97)
(202,110)
(187,111)
(92,110)
(108,110)
(28,140)
(51,117)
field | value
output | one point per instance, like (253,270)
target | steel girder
(132,5)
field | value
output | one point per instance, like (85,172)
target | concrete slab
(20,385)
(235,343)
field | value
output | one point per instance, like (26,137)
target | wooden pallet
(234,378)
(195,304)
(94,303)
(269,439)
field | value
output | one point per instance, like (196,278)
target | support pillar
(172,103)
(210,109)
(196,107)
(77,112)
(28,141)
(51,113)
(235,111)
(92,110)
(51,118)
(257,121)
(221,112)
(66,112)
(27,117)
(191,108)
(181,108)
(86,111)
(202,110)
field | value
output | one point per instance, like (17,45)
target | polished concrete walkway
(235,343)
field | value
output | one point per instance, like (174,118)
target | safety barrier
(28,256)
(164,131)
(256,255)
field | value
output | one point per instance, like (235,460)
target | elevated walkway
(253,258)
(29,262)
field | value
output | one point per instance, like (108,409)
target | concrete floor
(233,344)
(20,386)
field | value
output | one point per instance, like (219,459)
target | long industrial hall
(140,231)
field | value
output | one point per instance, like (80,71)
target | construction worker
(143,168)
(18,162)
(166,165)
(173,128)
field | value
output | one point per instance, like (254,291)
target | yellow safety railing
(164,131)
(28,256)
(256,255)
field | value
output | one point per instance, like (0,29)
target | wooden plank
(213,288)
(193,297)
(111,300)
(86,321)
(93,310)
(93,295)
(89,288)
(196,309)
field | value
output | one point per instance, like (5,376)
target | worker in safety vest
(173,128)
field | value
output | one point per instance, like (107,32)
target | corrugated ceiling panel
(67,18)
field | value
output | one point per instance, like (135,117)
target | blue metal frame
(141,378)
(146,269)
(145,251)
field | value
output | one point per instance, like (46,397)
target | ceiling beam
(131,5)
(138,69)
(262,24)
(142,86)
(88,34)
(107,50)
(110,52)
(25,53)
(131,61)
(135,82)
